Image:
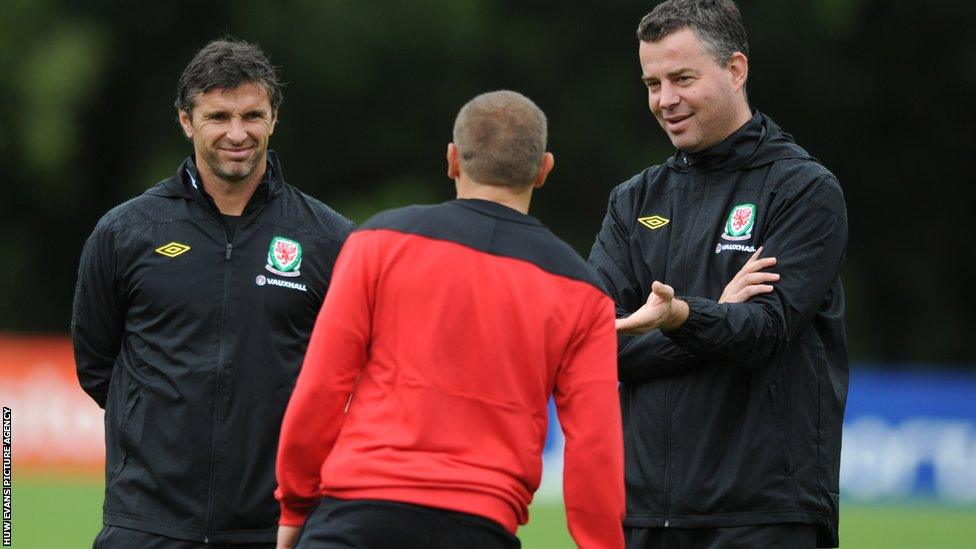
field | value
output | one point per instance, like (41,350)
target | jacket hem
(189,534)
(826,535)
(725,520)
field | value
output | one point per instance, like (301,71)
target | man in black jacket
(732,412)
(193,308)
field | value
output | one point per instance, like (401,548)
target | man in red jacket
(419,416)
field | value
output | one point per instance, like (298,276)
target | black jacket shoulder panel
(143,209)
(310,215)
(810,180)
(629,194)
(491,228)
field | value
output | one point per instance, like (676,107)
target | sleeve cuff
(294,515)
(698,309)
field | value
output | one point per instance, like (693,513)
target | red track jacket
(444,333)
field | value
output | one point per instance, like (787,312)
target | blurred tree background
(880,91)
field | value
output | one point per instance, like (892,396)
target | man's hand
(749,281)
(287,536)
(662,311)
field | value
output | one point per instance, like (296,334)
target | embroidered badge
(740,222)
(172,249)
(284,256)
(653,222)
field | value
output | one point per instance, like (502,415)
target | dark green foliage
(879,91)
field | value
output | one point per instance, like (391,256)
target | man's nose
(669,97)
(236,131)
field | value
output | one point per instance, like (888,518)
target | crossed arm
(753,320)
(646,353)
(663,311)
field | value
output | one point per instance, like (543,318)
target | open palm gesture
(661,310)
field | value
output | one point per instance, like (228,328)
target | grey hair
(717,23)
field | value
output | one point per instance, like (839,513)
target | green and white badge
(740,222)
(284,256)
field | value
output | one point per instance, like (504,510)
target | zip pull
(230,248)
(667,523)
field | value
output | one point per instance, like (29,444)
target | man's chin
(685,144)
(233,177)
(235,171)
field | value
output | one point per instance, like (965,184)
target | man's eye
(684,79)
(653,86)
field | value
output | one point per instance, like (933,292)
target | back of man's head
(717,23)
(228,64)
(501,139)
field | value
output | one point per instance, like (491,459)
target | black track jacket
(735,418)
(191,337)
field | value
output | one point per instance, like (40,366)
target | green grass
(64,512)
(916,526)
(55,512)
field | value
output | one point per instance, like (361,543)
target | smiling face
(698,101)
(230,129)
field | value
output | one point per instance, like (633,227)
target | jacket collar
(494,209)
(759,141)
(186,183)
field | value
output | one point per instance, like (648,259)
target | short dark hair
(501,138)
(228,63)
(717,23)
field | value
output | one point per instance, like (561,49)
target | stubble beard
(233,172)
(688,141)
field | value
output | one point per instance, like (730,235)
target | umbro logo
(172,249)
(653,222)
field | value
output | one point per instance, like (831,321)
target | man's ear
(738,66)
(548,162)
(186,121)
(453,167)
(274,121)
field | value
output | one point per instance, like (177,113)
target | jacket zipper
(216,399)
(667,387)
(667,453)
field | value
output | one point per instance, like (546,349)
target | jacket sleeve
(650,355)
(807,234)
(589,413)
(337,353)
(97,316)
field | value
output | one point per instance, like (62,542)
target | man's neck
(231,197)
(736,123)
(742,117)
(515,198)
